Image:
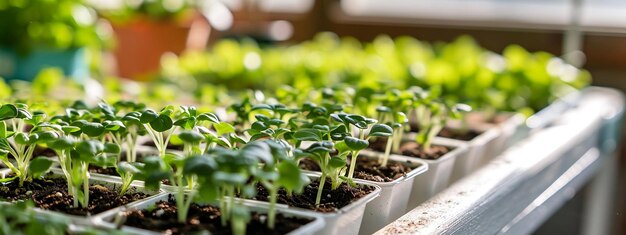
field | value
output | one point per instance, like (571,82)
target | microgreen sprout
(20,143)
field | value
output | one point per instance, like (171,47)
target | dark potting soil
(51,194)
(105,171)
(368,169)
(169,145)
(459,135)
(308,164)
(163,218)
(411,149)
(41,151)
(331,201)
(453,133)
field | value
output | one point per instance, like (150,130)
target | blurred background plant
(146,29)
(42,33)
(60,24)
(516,80)
(124,11)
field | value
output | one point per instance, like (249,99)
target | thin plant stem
(318,199)
(387,151)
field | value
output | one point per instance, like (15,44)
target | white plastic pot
(438,175)
(347,220)
(478,150)
(105,219)
(472,158)
(512,130)
(394,196)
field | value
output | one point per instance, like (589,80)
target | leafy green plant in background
(63,24)
(154,9)
(459,69)
(5,90)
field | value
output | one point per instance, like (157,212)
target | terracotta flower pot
(142,41)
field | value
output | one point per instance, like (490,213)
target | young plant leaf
(36,118)
(186,123)
(55,127)
(92,129)
(336,162)
(111,148)
(190,137)
(308,135)
(259,150)
(70,129)
(3,130)
(47,136)
(380,130)
(62,143)
(3,153)
(126,167)
(39,166)
(223,128)
(22,138)
(161,123)
(211,117)
(132,117)
(199,165)
(103,161)
(8,111)
(113,125)
(148,116)
(24,114)
(355,143)
(400,117)
(89,148)
(291,176)
(230,178)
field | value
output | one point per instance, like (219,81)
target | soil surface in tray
(163,218)
(41,151)
(332,200)
(454,134)
(368,169)
(51,194)
(105,171)
(411,149)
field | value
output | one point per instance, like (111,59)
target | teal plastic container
(26,67)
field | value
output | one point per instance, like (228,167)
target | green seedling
(362,142)
(159,127)
(278,171)
(20,143)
